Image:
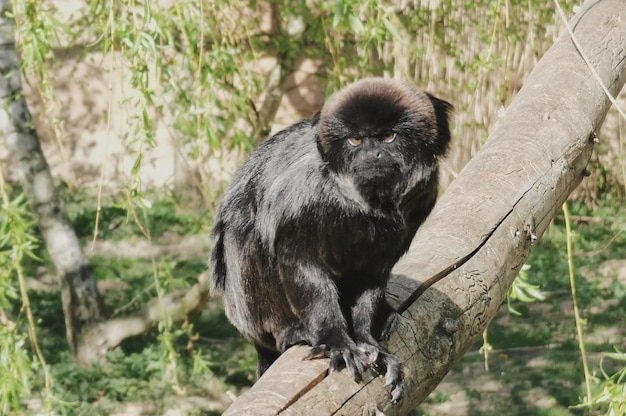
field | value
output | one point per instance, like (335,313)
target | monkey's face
(374,162)
(380,133)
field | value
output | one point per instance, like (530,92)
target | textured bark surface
(82,303)
(479,234)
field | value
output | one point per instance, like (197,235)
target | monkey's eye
(389,138)
(354,141)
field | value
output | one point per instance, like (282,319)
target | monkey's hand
(314,297)
(348,356)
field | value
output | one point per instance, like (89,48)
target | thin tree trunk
(277,78)
(82,303)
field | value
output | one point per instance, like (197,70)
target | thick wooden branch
(480,233)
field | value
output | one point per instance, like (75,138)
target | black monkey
(314,220)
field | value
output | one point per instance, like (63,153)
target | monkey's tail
(217,263)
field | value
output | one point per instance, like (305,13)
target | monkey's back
(268,187)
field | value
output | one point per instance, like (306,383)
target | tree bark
(480,233)
(82,303)
(276,79)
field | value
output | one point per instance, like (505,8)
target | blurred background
(144,109)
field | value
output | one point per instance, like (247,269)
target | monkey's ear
(442,114)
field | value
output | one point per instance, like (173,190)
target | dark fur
(307,233)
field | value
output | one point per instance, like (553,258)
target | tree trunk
(82,303)
(480,233)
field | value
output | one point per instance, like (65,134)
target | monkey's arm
(314,298)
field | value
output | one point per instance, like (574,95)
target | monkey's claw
(319,351)
(352,359)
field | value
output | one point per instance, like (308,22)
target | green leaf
(616,356)
(137,165)
(391,28)
(355,24)
(339,13)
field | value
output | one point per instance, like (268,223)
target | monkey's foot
(354,360)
